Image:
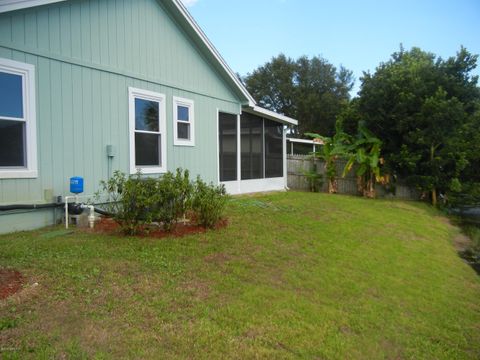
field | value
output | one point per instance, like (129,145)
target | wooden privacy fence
(298,165)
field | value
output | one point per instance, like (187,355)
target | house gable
(146,39)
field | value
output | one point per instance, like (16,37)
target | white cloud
(189,3)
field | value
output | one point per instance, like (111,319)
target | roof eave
(11,5)
(271,115)
(248,100)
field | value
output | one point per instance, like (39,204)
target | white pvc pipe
(91,215)
(66,208)
(75,197)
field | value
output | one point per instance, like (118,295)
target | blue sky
(356,34)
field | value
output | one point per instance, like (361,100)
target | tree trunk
(332,186)
(372,185)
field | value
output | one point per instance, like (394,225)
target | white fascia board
(10,5)
(302,141)
(191,21)
(271,115)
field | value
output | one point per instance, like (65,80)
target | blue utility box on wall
(76,185)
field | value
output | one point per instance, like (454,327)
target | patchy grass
(295,275)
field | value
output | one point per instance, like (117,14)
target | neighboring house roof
(306,141)
(197,33)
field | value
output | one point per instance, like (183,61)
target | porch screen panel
(252,146)
(273,149)
(227,132)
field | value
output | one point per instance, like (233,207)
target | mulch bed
(109,226)
(11,281)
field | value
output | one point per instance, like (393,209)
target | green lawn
(295,275)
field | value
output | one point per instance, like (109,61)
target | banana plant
(332,149)
(365,153)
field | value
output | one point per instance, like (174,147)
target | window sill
(149,171)
(18,174)
(184,143)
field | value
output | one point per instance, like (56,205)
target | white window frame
(27,72)
(178,101)
(134,93)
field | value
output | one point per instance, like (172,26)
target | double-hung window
(147,132)
(18,146)
(183,122)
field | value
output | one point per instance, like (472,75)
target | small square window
(183,122)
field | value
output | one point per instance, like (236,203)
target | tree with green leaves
(308,89)
(364,152)
(424,109)
(331,150)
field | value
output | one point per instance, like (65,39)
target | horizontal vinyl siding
(83,53)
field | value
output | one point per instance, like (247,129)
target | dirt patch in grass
(109,226)
(217,258)
(461,242)
(197,288)
(11,281)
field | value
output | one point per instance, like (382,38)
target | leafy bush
(184,188)
(314,179)
(173,198)
(130,200)
(209,203)
(136,202)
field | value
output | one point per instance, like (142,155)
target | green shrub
(314,179)
(184,188)
(209,203)
(136,202)
(173,198)
(130,200)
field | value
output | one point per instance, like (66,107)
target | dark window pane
(147,149)
(11,98)
(300,148)
(183,131)
(227,124)
(182,113)
(146,115)
(252,146)
(273,149)
(12,143)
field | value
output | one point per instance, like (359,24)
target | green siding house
(88,87)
